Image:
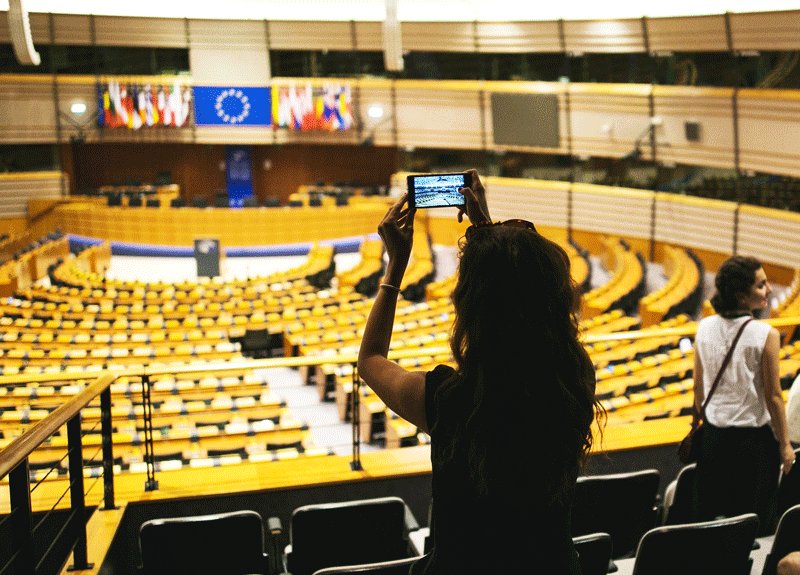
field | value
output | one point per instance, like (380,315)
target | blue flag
(232,106)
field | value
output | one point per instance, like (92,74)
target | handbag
(688,448)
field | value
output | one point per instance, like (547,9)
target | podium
(207,255)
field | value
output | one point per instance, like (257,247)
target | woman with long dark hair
(745,437)
(511,424)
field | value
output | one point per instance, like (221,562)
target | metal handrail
(21,447)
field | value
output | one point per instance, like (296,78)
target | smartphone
(437,190)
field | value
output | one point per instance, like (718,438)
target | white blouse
(739,399)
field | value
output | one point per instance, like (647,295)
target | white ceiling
(408,10)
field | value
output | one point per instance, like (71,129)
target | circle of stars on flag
(223,106)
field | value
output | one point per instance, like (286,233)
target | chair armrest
(275,558)
(411,522)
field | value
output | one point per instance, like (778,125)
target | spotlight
(78,108)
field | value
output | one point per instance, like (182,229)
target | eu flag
(232,106)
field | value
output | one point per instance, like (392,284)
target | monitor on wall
(525,119)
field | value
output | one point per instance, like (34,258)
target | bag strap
(722,367)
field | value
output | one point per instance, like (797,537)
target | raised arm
(402,391)
(773,396)
(699,391)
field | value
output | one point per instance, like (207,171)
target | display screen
(437,190)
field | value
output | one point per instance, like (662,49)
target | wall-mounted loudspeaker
(692,130)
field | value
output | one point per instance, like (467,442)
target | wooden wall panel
(606,119)
(240,227)
(771,30)
(27,111)
(143,32)
(541,202)
(597,36)
(766,30)
(771,235)
(687,34)
(293,35)
(199,170)
(712,108)
(228,53)
(17,189)
(433,117)
(617,211)
(510,37)
(438,36)
(368,36)
(382,131)
(769,127)
(694,222)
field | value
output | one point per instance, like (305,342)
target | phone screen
(436,190)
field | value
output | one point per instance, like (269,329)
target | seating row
(627,283)
(682,292)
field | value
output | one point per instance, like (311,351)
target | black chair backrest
(231,543)
(152,203)
(272,202)
(135,200)
(199,202)
(789,489)
(177,202)
(786,540)
(391,567)
(719,546)
(683,506)
(256,342)
(624,505)
(348,533)
(594,553)
(221,200)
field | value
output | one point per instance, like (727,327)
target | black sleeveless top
(474,533)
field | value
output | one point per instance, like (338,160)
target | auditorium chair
(594,553)
(250,202)
(230,543)
(272,202)
(624,505)
(199,202)
(680,497)
(152,203)
(221,200)
(257,343)
(177,203)
(719,546)
(789,489)
(390,567)
(348,533)
(786,539)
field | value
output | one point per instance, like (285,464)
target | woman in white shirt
(745,438)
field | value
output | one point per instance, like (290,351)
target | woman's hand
(475,195)
(397,232)
(787,457)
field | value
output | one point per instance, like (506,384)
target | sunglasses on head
(515,223)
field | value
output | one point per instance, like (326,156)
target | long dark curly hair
(515,343)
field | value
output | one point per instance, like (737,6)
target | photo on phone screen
(437,190)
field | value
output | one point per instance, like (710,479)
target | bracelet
(390,287)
